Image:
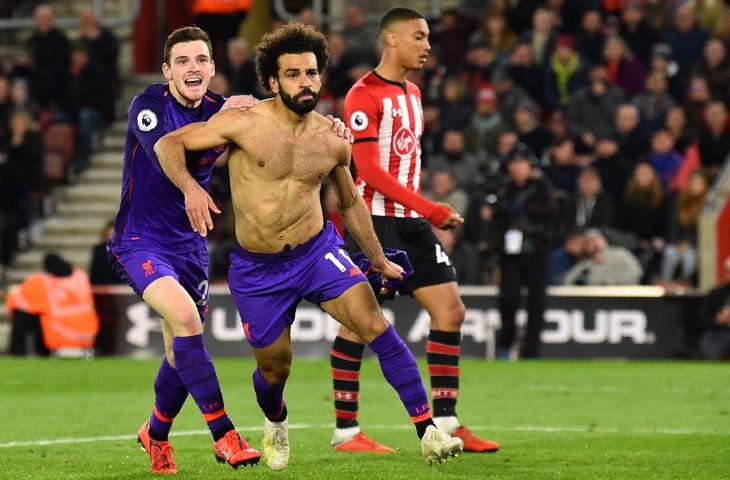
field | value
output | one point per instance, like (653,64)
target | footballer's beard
(293,103)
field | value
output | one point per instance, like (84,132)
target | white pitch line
(302,426)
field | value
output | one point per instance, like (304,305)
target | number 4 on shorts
(441,256)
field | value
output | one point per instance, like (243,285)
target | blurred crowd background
(622,106)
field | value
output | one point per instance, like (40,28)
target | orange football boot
(472,443)
(160,453)
(361,443)
(235,451)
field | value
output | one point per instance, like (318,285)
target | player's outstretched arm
(367,156)
(358,220)
(170,151)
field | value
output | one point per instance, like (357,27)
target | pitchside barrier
(580,322)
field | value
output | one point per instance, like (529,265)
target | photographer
(523,215)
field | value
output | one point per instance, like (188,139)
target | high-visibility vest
(220,7)
(65,306)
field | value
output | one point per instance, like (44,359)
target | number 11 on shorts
(331,257)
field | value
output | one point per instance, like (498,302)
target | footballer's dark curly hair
(291,38)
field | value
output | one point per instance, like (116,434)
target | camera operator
(523,215)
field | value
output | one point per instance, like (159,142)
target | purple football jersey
(152,209)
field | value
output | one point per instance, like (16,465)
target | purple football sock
(270,398)
(170,395)
(198,374)
(400,370)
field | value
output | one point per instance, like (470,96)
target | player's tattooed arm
(357,217)
(170,151)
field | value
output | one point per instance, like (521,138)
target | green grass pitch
(555,420)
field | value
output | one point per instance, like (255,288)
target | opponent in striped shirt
(384,112)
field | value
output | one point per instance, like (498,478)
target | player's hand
(445,217)
(241,102)
(389,270)
(339,127)
(198,205)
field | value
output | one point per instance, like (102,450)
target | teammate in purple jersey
(285,252)
(166,262)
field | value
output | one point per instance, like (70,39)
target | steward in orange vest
(61,296)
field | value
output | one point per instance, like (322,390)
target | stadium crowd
(56,96)
(622,104)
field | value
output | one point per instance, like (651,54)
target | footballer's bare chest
(277,155)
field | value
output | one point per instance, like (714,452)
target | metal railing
(69,22)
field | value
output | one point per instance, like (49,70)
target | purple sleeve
(147,121)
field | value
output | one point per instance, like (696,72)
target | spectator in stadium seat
(591,207)
(681,249)
(636,31)
(442,188)
(530,130)
(101,271)
(495,33)
(50,52)
(646,201)
(342,65)
(604,264)
(654,103)
(592,110)
(632,143)
(566,73)
(624,71)
(240,68)
(103,49)
(563,258)
(665,159)
(661,61)
(360,36)
(715,68)
(561,168)
(590,39)
(477,67)
(22,180)
(485,126)
(92,103)
(697,98)
(463,165)
(451,35)
(686,38)
(61,296)
(676,124)
(714,137)
(542,35)
(509,95)
(526,73)
(714,343)
(614,169)
(455,110)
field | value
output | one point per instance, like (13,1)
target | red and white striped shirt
(391,114)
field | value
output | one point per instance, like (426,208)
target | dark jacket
(530,209)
